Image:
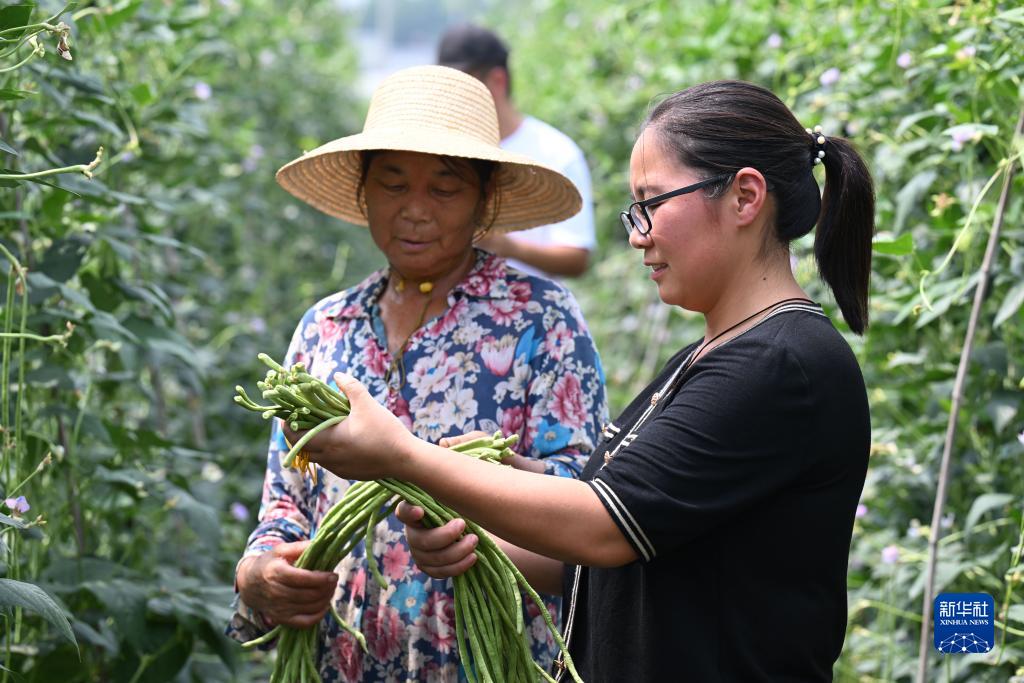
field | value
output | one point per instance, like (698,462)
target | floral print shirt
(510,353)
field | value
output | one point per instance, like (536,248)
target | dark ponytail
(842,242)
(722,126)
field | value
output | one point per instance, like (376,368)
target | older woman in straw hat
(447,337)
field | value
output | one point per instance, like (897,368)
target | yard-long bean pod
(489,627)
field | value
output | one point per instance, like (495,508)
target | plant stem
(5,367)
(43,25)
(34,53)
(84,169)
(1009,590)
(72,489)
(35,337)
(39,468)
(148,659)
(958,389)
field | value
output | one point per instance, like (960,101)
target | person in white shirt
(556,250)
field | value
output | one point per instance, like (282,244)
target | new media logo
(964,622)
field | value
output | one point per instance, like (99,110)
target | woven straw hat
(433,110)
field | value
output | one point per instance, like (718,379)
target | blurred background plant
(133,301)
(175,264)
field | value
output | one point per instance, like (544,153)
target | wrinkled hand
(368,444)
(442,552)
(283,593)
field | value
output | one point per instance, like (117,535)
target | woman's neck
(405,289)
(754,289)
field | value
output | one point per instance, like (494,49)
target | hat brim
(528,194)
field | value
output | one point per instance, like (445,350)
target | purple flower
(257,324)
(862,510)
(830,77)
(904,60)
(19,505)
(960,136)
(202,91)
(890,554)
(239,512)
(774,41)
(251,162)
(966,52)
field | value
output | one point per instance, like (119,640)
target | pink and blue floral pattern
(511,353)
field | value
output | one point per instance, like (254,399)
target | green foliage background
(181,259)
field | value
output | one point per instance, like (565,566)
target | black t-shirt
(738,494)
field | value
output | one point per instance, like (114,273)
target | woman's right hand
(443,552)
(281,592)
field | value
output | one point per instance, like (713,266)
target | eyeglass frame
(626,217)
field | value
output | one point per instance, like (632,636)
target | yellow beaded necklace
(397,362)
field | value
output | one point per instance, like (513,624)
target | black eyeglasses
(636,216)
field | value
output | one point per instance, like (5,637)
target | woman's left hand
(368,444)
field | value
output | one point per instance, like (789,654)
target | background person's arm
(555,259)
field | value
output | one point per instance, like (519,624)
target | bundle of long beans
(489,625)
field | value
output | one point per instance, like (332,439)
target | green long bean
(490,630)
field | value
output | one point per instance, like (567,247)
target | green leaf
(64,257)
(908,122)
(1015,16)
(202,518)
(161,338)
(4,147)
(901,246)
(142,94)
(50,376)
(105,638)
(149,293)
(984,503)
(34,599)
(225,648)
(100,122)
(106,326)
(1002,409)
(14,16)
(14,94)
(11,521)
(115,19)
(52,209)
(1011,304)
(1016,612)
(125,601)
(102,292)
(911,195)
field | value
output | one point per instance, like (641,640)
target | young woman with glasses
(709,536)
